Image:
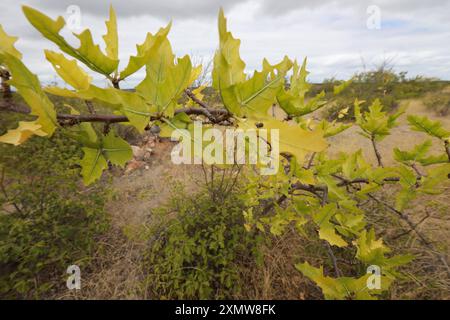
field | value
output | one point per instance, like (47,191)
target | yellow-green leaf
(293,140)
(88,53)
(29,87)
(327,230)
(151,45)
(24,131)
(112,148)
(7,44)
(228,65)
(116,150)
(253,96)
(111,38)
(69,70)
(165,82)
(92,165)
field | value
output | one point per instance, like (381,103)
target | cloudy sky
(338,37)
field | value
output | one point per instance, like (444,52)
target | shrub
(47,221)
(383,84)
(438,103)
(198,254)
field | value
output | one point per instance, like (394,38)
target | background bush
(383,83)
(198,254)
(48,221)
(439,103)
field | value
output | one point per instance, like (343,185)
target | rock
(134,165)
(141,154)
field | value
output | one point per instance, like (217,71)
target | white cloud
(333,34)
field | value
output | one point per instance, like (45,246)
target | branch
(377,153)
(346,182)
(310,162)
(271,205)
(6,88)
(447,149)
(206,107)
(403,216)
(333,259)
(194,98)
(214,115)
(413,227)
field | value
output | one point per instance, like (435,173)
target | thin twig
(377,153)
(421,236)
(333,259)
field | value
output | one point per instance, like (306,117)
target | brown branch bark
(6,88)
(194,98)
(345,182)
(214,115)
(333,259)
(447,149)
(377,153)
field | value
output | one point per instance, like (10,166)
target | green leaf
(135,108)
(443,158)
(327,229)
(299,85)
(111,38)
(407,176)
(417,153)
(228,65)
(7,44)
(253,96)
(88,53)
(375,122)
(112,148)
(293,140)
(29,87)
(330,129)
(69,70)
(343,287)
(369,250)
(179,121)
(282,67)
(293,101)
(432,128)
(147,50)
(92,165)
(83,132)
(354,166)
(435,178)
(116,150)
(341,87)
(404,197)
(372,252)
(165,81)
(24,131)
